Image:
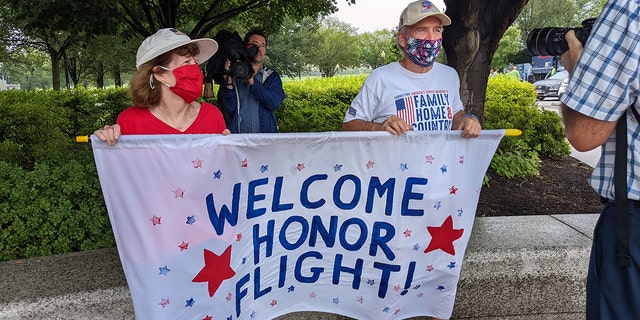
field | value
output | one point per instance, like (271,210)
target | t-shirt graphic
(426,110)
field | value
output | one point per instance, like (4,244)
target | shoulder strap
(622,201)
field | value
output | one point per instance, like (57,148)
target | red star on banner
(453,190)
(178,193)
(430,159)
(197,163)
(216,269)
(155,220)
(370,164)
(442,237)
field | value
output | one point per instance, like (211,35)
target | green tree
(198,17)
(553,13)
(290,48)
(378,48)
(508,47)
(335,47)
(29,68)
(55,26)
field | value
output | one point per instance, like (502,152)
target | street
(552,104)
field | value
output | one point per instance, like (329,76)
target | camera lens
(547,41)
(241,70)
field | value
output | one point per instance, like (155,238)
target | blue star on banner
(164,270)
(191,219)
(264,168)
(217,174)
(337,167)
(404,167)
(451,265)
(190,303)
(443,168)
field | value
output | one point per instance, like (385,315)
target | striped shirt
(605,83)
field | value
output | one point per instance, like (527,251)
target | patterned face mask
(423,52)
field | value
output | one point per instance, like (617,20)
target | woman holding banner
(164,89)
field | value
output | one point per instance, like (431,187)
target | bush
(512,104)
(317,104)
(51,209)
(50,196)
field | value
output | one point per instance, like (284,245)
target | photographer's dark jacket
(258,103)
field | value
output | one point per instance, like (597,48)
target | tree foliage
(334,47)
(56,26)
(508,47)
(553,13)
(289,49)
(378,48)
(64,28)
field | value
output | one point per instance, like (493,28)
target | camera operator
(602,95)
(251,103)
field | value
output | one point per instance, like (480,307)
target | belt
(636,203)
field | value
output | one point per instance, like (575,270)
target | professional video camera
(232,48)
(550,41)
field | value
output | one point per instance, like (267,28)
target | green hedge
(50,196)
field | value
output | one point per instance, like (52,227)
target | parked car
(549,87)
(563,86)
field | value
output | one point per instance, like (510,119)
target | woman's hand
(108,134)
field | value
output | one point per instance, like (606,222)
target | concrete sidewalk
(517,267)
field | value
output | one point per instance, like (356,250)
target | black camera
(231,47)
(550,41)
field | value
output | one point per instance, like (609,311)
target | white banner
(362,224)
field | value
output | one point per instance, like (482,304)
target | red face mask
(189,80)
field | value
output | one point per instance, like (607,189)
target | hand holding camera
(233,58)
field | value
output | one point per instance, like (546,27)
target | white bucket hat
(419,10)
(168,39)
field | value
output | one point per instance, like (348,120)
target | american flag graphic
(405,109)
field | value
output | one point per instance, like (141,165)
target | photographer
(602,97)
(251,103)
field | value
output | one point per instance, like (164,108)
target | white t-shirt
(427,101)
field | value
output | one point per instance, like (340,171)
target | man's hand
(470,127)
(395,125)
(570,57)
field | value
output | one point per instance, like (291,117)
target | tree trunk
(117,78)
(100,76)
(472,39)
(55,67)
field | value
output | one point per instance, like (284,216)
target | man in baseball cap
(168,39)
(415,93)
